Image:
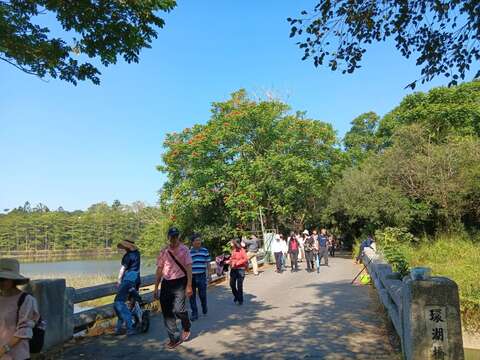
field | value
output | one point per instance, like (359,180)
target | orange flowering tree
(249,155)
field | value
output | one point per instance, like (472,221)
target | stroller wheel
(145,321)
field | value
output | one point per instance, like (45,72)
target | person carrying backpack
(309,246)
(20,333)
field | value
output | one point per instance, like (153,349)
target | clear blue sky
(74,146)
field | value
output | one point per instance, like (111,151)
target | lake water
(81,267)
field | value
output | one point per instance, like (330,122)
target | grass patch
(81,281)
(78,281)
(458,259)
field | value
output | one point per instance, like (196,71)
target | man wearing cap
(128,282)
(200,266)
(174,271)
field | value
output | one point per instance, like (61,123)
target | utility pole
(261,222)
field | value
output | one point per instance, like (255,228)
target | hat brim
(126,244)
(19,279)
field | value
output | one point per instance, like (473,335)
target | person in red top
(293,247)
(238,263)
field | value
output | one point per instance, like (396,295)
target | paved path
(285,316)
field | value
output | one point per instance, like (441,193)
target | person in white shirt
(278,249)
(301,253)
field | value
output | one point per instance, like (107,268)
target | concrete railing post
(55,303)
(431,320)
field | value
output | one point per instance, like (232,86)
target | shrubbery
(453,256)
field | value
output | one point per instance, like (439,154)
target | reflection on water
(82,267)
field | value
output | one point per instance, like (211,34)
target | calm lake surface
(81,267)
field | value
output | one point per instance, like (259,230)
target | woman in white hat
(15,331)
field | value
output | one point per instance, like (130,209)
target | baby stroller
(140,315)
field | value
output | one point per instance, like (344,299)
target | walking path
(285,316)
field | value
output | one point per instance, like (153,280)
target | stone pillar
(55,303)
(431,320)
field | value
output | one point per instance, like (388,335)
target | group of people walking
(182,273)
(298,247)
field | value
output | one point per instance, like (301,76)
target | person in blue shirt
(200,266)
(128,285)
(368,242)
(323,247)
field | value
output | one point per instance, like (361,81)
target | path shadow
(320,330)
(224,314)
(329,320)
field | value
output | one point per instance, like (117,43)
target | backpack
(38,338)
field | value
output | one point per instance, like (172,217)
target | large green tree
(103,30)
(442,112)
(421,169)
(443,35)
(361,140)
(249,156)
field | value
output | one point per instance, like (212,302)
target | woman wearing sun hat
(128,282)
(15,333)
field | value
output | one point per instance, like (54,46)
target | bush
(393,236)
(389,242)
(458,258)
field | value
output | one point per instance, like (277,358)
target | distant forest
(100,226)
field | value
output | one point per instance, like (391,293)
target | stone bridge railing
(425,311)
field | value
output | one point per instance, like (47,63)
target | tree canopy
(424,174)
(250,155)
(442,35)
(103,30)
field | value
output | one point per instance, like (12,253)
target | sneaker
(193,318)
(186,335)
(173,344)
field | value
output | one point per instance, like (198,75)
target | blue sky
(73,146)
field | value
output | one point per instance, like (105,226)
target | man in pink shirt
(174,271)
